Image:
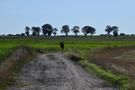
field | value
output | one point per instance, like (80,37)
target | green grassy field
(71,43)
(81,45)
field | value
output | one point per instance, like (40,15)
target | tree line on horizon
(48,30)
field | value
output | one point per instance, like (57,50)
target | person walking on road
(62,46)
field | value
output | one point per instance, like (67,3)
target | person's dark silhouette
(62,46)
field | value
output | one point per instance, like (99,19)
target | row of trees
(47,29)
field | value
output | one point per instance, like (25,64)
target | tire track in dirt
(54,72)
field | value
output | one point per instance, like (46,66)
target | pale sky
(16,14)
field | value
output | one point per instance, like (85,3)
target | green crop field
(80,43)
(52,43)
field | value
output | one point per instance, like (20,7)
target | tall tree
(55,31)
(115,30)
(92,31)
(34,32)
(88,30)
(65,29)
(38,30)
(47,29)
(27,29)
(75,29)
(108,29)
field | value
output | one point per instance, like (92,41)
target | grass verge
(117,80)
(5,52)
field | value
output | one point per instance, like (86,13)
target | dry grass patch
(13,65)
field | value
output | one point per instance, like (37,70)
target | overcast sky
(16,14)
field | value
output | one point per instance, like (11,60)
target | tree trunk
(109,34)
(91,35)
(66,34)
(76,34)
(85,35)
(38,34)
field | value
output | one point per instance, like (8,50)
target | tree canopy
(75,29)
(88,30)
(65,29)
(47,29)
(108,29)
(27,29)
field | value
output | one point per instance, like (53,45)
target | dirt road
(54,72)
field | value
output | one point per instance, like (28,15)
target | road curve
(55,72)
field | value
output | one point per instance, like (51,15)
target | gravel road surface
(54,71)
